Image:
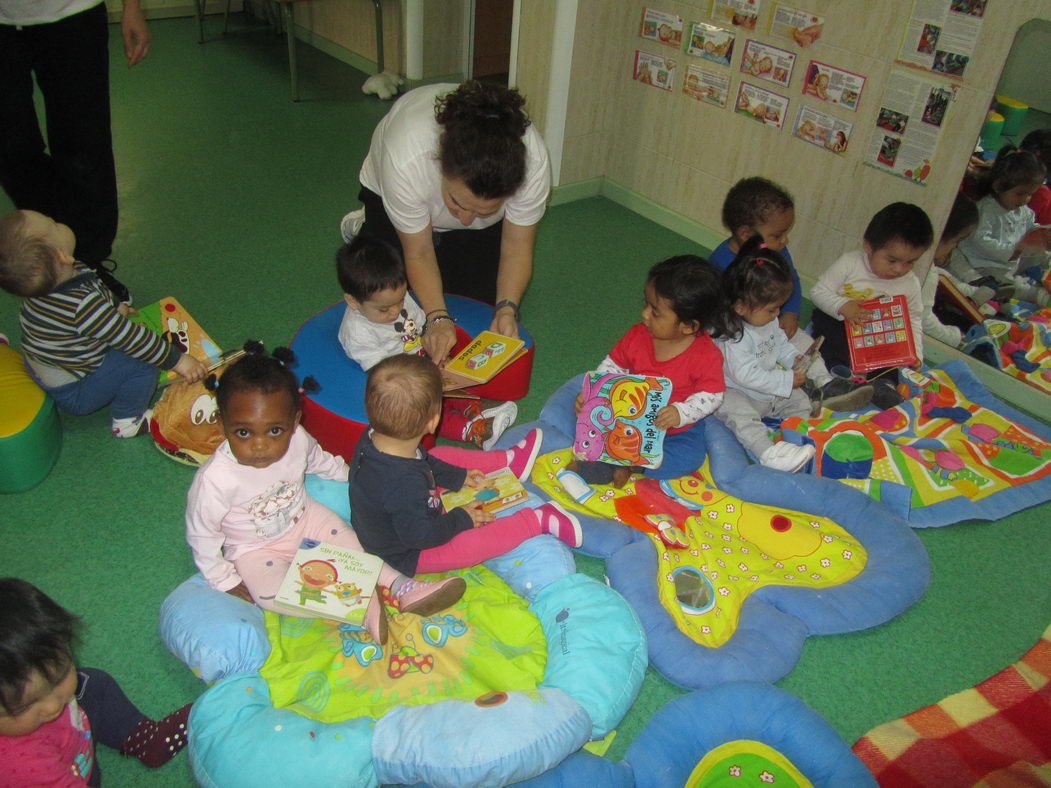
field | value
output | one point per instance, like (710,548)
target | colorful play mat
(730,578)
(1020,346)
(533,662)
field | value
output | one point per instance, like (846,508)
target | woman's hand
(479,516)
(504,322)
(438,340)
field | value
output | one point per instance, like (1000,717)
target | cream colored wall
(533,72)
(685,155)
(351,24)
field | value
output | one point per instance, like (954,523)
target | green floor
(231,196)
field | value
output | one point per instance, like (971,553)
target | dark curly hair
(36,634)
(692,286)
(757,277)
(368,265)
(482,124)
(752,201)
(256,371)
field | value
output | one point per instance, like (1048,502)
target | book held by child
(329,581)
(170,319)
(501,491)
(617,419)
(480,361)
(883,338)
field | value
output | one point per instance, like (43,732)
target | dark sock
(592,472)
(156,743)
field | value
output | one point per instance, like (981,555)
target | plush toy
(385,85)
(185,423)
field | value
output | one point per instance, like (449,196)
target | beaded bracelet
(428,323)
(507,302)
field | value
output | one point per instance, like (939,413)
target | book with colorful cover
(807,358)
(329,581)
(883,338)
(170,319)
(501,491)
(948,297)
(617,420)
(480,361)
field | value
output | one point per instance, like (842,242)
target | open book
(170,319)
(480,361)
(616,423)
(501,491)
(884,336)
(807,358)
(329,581)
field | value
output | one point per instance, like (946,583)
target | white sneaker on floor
(788,457)
(503,416)
(350,225)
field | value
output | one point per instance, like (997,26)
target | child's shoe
(885,395)
(427,597)
(841,395)
(350,225)
(786,456)
(132,427)
(105,273)
(522,455)
(502,416)
(376,619)
(559,523)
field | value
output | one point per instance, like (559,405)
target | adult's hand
(504,323)
(135,32)
(439,339)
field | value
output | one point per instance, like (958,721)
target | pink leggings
(264,568)
(500,536)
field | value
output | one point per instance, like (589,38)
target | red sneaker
(561,524)
(522,455)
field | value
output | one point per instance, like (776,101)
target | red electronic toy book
(884,336)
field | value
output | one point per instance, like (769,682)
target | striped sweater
(67,333)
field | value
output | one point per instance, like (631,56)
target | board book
(617,419)
(883,338)
(501,491)
(480,360)
(170,319)
(329,581)
(950,298)
(807,358)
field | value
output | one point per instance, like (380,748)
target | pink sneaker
(425,598)
(522,455)
(376,619)
(559,523)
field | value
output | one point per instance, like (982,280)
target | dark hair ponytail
(758,276)
(256,371)
(1013,167)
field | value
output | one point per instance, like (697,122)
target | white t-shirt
(402,167)
(37,12)
(369,343)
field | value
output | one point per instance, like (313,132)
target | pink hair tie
(762,246)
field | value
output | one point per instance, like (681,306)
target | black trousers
(72,179)
(467,259)
(835,350)
(113,717)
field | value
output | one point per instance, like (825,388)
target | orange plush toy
(185,423)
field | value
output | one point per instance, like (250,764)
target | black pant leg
(834,350)
(113,717)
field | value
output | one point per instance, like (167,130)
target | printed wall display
(655,70)
(767,62)
(908,125)
(941,35)
(802,27)
(742,13)
(827,83)
(824,130)
(710,42)
(761,104)
(662,27)
(710,87)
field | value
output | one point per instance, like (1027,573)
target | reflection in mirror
(989,279)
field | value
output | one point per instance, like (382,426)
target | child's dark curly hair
(752,201)
(757,277)
(482,124)
(256,371)
(36,634)
(1013,167)
(368,265)
(693,288)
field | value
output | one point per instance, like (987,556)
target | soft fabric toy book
(501,491)
(329,581)
(616,423)
(480,360)
(884,336)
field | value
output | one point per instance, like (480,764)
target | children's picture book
(501,491)
(949,298)
(616,423)
(480,361)
(329,581)
(807,358)
(170,319)
(884,336)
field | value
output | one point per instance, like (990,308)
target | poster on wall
(762,105)
(662,27)
(742,13)
(711,87)
(833,85)
(941,35)
(655,70)
(712,43)
(824,130)
(802,27)
(767,62)
(908,125)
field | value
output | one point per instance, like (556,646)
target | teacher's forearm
(421,267)
(516,262)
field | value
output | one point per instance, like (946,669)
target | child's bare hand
(479,516)
(852,312)
(578,403)
(190,368)
(241,592)
(125,309)
(667,417)
(798,378)
(789,322)
(476,480)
